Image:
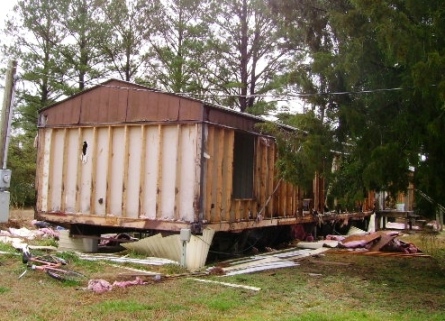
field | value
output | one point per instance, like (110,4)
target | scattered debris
(263,262)
(247,287)
(123,259)
(361,241)
(101,285)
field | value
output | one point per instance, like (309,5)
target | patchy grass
(335,287)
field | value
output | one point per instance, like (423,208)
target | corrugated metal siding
(170,247)
(127,171)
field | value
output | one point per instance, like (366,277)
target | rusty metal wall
(130,171)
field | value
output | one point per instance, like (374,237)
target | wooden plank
(384,240)
(271,176)
(219,175)
(289,197)
(228,174)
(237,209)
(263,177)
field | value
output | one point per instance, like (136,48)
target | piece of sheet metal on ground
(122,259)
(269,261)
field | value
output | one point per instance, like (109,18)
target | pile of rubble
(361,241)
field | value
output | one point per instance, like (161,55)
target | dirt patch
(19,217)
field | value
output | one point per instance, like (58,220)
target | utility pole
(6,117)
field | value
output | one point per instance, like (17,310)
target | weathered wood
(228,173)
(219,175)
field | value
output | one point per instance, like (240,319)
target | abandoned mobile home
(123,156)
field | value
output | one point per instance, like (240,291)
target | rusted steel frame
(62,218)
(114,221)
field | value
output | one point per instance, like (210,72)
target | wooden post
(6,117)
(6,112)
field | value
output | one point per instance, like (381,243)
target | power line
(282,97)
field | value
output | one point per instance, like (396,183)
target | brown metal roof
(116,101)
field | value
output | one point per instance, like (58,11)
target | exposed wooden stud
(237,209)
(263,178)
(219,175)
(228,173)
(271,170)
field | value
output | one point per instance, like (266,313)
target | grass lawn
(336,286)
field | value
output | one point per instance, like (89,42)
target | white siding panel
(101,170)
(134,171)
(57,170)
(187,173)
(43,193)
(117,171)
(153,139)
(86,170)
(73,159)
(168,171)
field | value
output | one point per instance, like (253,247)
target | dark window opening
(243,165)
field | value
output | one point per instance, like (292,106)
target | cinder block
(76,244)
